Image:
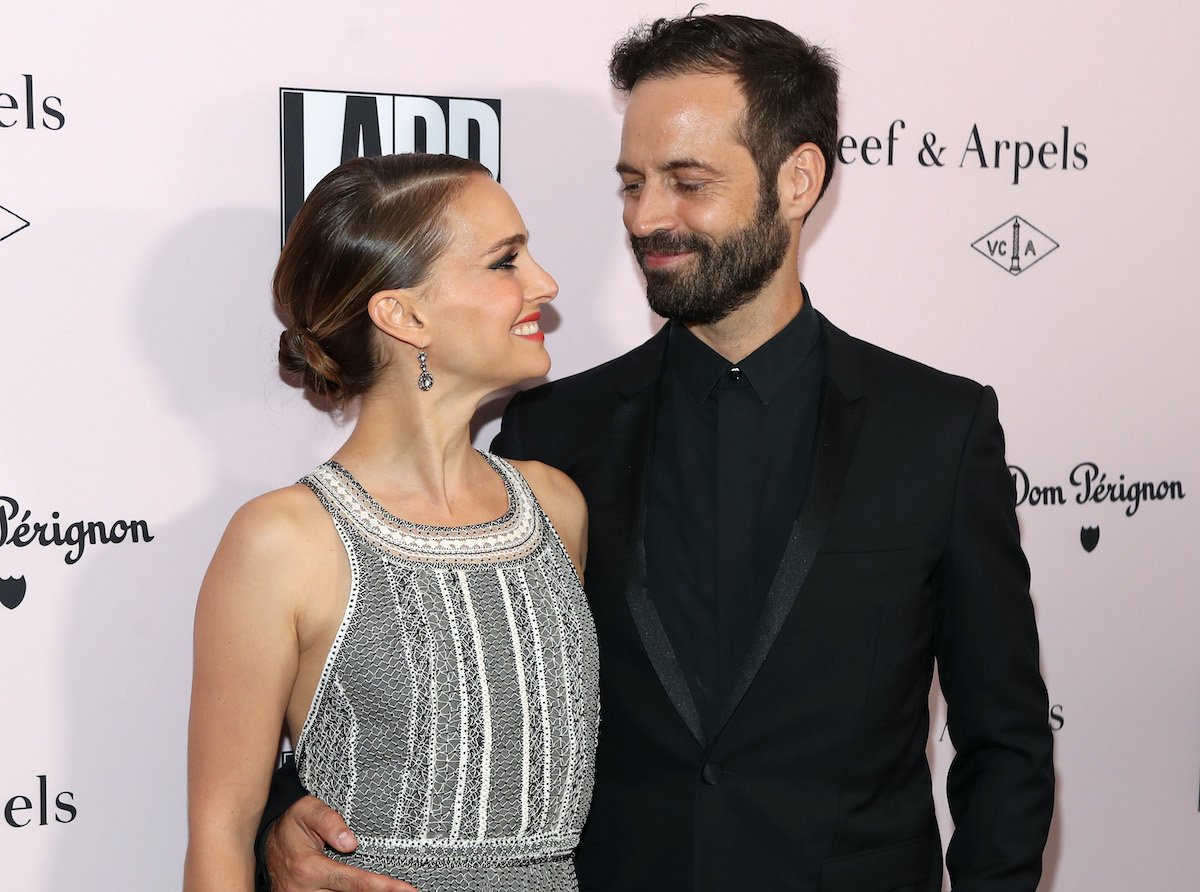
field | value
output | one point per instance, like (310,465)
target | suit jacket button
(712,774)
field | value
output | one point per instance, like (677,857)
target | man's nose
(651,211)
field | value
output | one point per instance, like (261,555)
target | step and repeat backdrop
(1015,203)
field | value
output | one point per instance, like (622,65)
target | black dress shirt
(727,478)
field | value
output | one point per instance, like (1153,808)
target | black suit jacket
(906,550)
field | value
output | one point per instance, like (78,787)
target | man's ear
(800,181)
(399,313)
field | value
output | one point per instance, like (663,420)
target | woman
(412,608)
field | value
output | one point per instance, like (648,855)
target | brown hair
(790,85)
(369,225)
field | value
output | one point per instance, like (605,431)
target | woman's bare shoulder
(285,533)
(554,489)
(563,503)
(280,517)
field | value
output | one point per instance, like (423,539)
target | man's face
(703,236)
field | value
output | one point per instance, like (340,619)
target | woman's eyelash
(505,262)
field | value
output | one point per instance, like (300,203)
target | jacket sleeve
(507,443)
(1001,782)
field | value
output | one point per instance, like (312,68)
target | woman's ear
(399,313)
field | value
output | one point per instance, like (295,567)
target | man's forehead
(681,118)
(715,93)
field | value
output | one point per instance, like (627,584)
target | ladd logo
(321,128)
(1015,245)
(10,223)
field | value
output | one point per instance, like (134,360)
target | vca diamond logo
(10,223)
(1015,245)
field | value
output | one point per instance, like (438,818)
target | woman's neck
(413,451)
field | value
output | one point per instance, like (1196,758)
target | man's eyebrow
(513,241)
(677,164)
(687,164)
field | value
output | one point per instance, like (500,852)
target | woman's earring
(424,380)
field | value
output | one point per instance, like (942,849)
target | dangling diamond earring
(424,380)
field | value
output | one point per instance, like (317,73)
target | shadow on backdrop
(201,306)
(207,331)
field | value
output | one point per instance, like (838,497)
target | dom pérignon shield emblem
(1089,537)
(12,592)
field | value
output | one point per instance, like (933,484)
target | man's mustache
(662,242)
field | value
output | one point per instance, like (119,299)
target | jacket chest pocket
(878,568)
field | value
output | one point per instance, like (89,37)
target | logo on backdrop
(12,591)
(20,529)
(1015,245)
(29,108)
(10,223)
(1087,484)
(1089,538)
(319,129)
(73,537)
(978,150)
(38,809)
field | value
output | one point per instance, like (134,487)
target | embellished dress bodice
(454,722)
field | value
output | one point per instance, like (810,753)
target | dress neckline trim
(512,536)
(424,528)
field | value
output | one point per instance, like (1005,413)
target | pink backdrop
(140,191)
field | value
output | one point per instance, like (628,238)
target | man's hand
(296,860)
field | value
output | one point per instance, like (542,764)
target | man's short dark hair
(790,85)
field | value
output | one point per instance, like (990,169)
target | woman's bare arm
(245,662)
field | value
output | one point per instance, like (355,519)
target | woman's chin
(523,373)
(538,368)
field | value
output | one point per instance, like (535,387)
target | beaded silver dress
(454,723)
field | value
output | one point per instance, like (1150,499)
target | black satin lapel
(838,423)
(633,434)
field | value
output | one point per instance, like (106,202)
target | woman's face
(485,293)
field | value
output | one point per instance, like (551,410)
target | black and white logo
(929,150)
(1015,245)
(30,809)
(19,528)
(10,223)
(29,108)
(1089,486)
(12,591)
(1089,538)
(320,129)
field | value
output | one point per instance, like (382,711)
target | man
(788,526)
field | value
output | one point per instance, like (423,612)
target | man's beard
(725,275)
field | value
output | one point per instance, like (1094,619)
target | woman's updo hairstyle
(370,225)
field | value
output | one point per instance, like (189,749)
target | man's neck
(749,327)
